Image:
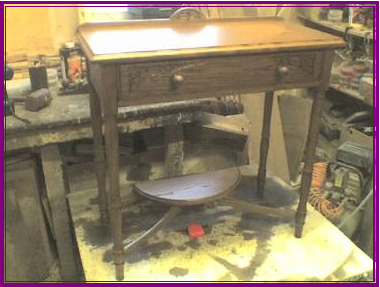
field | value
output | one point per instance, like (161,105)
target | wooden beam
(56,193)
(174,151)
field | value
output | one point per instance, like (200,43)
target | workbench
(67,119)
(235,247)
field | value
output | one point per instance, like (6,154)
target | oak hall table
(142,62)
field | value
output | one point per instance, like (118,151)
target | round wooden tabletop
(193,189)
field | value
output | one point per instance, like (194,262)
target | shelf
(338,29)
(350,92)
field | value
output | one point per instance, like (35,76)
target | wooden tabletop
(192,189)
(137,40)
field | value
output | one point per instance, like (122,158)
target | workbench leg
(108,98)
(96,121)
(264,144)
(311,144)
(174,150)
(56,194)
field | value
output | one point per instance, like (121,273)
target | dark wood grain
(191,189)
(312,138)
(153,82)
(248,207)
(264,144)
(309,161)
(108,98)
(99,156)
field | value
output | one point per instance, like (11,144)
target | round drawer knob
(282,71)
(177,79)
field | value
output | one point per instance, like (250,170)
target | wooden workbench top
(141,40)
(235,247)
(74,110)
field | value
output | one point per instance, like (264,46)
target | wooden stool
(191,190)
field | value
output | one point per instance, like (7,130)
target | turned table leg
(311,144)
(96,121)
(264,144)
(108,97)
(112,148)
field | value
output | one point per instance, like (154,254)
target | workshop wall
(39,30)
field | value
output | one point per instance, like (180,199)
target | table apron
(176,80)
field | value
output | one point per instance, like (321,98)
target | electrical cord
(317,198)
(356,210)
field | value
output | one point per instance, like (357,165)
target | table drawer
(189,79)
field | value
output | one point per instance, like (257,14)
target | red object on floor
(195,230)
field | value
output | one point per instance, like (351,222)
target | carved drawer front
(189,79)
